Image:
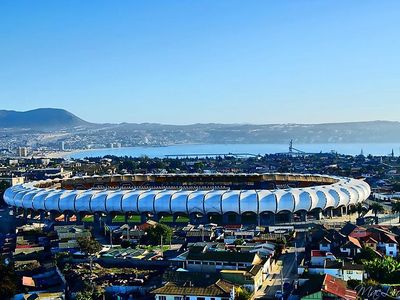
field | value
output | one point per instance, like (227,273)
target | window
(201,298)
(178,298)
(162,298)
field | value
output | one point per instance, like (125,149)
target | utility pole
(280,264)
(282,277)
(162,247)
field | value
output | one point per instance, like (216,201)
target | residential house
(251,279)
(351,248)
(325,244)
(337,268)
(352,271)
(387,241)
(370,242)
(220,290)
(325,287)
(202,259)
(318,257)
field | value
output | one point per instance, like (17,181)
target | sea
(377,149)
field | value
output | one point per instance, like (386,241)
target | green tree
(352,283)
(3,186)
(376,208)
(396,208)
(84,295)
(366,254)
(242,294)
(154,234)
(90,247)
(384,270)
(8,282)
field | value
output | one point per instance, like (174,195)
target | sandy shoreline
(64,154)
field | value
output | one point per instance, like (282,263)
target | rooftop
(221,288)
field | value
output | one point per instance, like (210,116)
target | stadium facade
(229,198)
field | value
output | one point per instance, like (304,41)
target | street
(274,282)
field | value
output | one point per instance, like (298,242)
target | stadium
(263,199)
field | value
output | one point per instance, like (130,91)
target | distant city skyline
(185,62)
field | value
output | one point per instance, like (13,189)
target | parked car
(279,294)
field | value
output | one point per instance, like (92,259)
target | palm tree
(359,208)
(376,208)
(396,208)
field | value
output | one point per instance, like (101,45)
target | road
(289,269)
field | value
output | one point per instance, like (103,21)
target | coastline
(377,149)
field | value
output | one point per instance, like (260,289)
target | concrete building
(22,151)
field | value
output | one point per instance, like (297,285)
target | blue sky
(182,62)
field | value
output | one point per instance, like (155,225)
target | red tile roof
(338,288)
(319,253)
(354,241)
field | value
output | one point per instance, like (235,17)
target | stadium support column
(25,214)
(52,216)
(126,218)
(42,216)
(290,217)
(303,216)
(272,220)
(143,218)
(78,218)
(238,219)
(109,218)
(66,217)
(204,219)
(96,221)
(156,218)
(225,219)
(174,218)
(338,212)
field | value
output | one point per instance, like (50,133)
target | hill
(42,118)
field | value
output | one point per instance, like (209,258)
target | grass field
(132,219)
(137,219)
(88,219)
(169,219)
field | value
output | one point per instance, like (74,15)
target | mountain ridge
(131,134)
